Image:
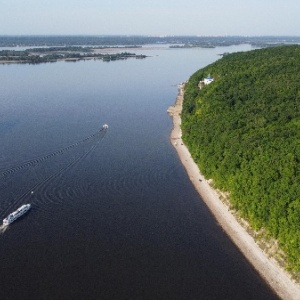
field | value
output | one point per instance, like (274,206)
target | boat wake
(35,161)
(3,228)
(32,180)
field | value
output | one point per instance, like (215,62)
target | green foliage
(243,130)
(53,54)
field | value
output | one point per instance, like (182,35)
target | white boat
(16,214)
(105,126)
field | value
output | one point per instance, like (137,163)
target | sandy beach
(279,280)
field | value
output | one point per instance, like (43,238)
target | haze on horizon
(156,17)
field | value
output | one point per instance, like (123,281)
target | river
(113,216)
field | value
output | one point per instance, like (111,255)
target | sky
(154,17)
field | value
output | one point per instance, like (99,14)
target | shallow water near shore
(115,216)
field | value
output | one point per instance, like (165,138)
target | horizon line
(144,35)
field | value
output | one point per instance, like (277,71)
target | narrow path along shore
(279,280)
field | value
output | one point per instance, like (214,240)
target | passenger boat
(16,214)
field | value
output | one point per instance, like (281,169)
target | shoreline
(277,278)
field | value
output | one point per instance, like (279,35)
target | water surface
(115,216)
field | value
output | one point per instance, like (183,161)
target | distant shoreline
(68,54)
(278,279)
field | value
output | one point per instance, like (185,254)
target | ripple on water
(40,181)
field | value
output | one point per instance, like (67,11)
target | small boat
(16,214)
(105,126)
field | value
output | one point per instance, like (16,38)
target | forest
(54,54)
(243,131)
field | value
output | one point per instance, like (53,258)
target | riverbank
(276,277)
(68,54)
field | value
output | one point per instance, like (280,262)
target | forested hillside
(243,130)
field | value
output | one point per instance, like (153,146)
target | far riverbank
(276,277)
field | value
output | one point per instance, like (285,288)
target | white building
(208,80)
(205,81)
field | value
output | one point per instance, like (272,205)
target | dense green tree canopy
(243,130)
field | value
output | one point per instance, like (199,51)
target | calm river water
(113,216)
